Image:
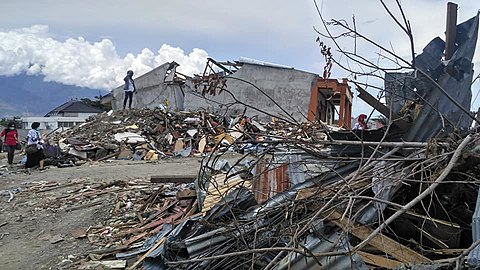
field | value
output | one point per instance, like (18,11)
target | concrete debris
(150,134)
(298,195)
(153,134)
(56,238)
(306,195)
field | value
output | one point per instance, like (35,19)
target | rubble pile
(396,206)
(141,134)
(305,197)
(404,204)
(150,134)
(302,195)
(137,209)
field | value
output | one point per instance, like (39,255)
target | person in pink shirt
(10,136)
(361,124)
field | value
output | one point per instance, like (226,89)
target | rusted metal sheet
(269,180)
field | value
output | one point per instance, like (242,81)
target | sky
(92,43)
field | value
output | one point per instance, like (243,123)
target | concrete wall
(151,91)
(290,88)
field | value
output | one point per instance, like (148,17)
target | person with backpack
(10,135)
(34,148)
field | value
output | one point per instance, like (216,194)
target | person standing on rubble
(360,124)
(129,89)
(11,139)
(38,157)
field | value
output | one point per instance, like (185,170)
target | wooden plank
(167,205)
(114,264)
(384,243)
(436,221)
(219,186)
(449,252)
(139,261)
(378,260)
(110,264)
(451,31)
(432,238)
(202,144)
(186,194)
(372,101)
(325,192)
(171,178)
(135,238)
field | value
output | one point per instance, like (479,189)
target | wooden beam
(109,264)
(341,118)
(444,234)
(218,64)
(451,30)
(312,107)
(169,178)
(139,261)
(325,192)
(377,105)
(384,243)
(385,144)
(379,261)
(186,194)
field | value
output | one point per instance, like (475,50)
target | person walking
(34,140)
(11,139)
(129,89)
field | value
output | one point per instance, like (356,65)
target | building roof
(74,106)
(245,60)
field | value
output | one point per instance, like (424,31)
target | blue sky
(100,39)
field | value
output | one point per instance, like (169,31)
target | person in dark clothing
(129,89)
(11,139)
(37,158)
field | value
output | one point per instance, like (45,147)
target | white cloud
(78,62)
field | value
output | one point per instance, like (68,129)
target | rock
(56,238)
(79,233)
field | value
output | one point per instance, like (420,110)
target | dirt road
(36,226)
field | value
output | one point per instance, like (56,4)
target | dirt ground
(32,223)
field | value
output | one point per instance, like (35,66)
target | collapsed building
(306,195)
(258,88)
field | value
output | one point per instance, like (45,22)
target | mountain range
(24,95)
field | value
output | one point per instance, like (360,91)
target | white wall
(52,123)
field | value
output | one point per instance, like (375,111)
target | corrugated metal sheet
(474,255)
(203,240)
(438,112)
(333,242)
(197,245)
(287,169)
(269,180)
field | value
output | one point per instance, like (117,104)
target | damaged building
(258,88)
(301,195)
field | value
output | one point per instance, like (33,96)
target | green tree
(5,121)
(97,104)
